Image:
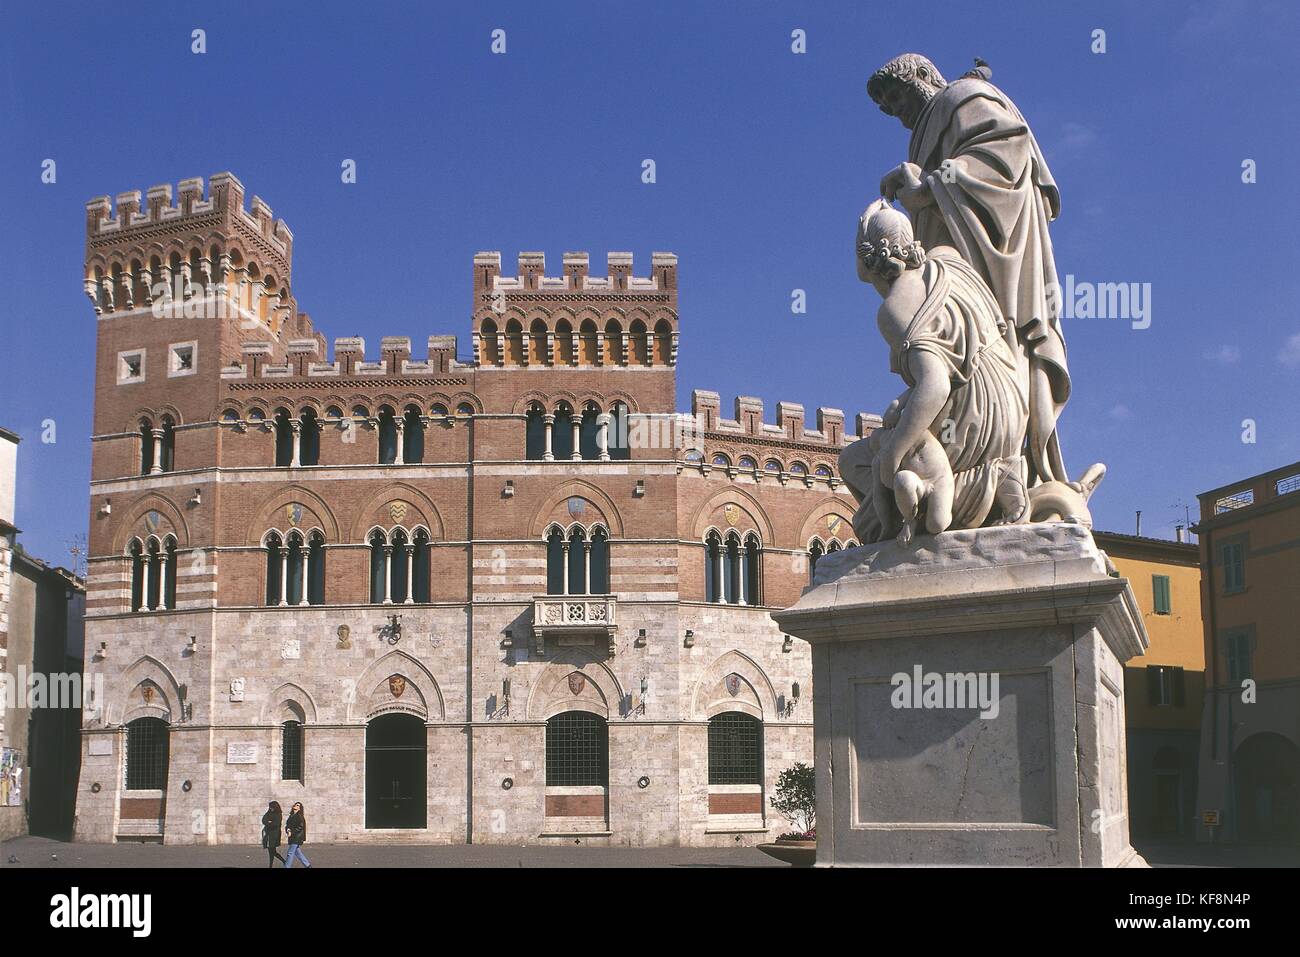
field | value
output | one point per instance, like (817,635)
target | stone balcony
(575,620)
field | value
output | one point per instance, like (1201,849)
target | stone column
(586,567)
(388,574)
(284,573)
(742,582)
(410,574)
(399,455)
(295,426)
(302,555)
(564,549)
(549,419)
(577,437)
(718,580)
(602,436)
(147,568)
(156,467)
(162,580)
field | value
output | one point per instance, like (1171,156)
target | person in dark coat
(296,828)
(271,821)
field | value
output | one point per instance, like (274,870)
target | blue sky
(764,160)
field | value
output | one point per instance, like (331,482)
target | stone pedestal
(927,771)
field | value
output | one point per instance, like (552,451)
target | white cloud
(1120,411)
(1290,354)
(1226,354)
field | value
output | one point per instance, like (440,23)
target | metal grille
(146,755)
(735,749)
(1285,486)
(291,752)
(577,750)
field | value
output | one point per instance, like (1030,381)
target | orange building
(1249,788)
(1164,687)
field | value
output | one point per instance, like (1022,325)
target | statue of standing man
(976,180)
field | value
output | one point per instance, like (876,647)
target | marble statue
(983,187)
(971,316)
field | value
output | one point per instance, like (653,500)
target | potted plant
(796,800)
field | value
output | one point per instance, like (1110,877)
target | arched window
(619,444)
(378,568)
(387,436)
(291,751)
(732,568)
(663,345)
(135,551)
(295,569)
(562,432)
(412,437)
(556,572)
(399,565)
(747,463)
(598,569)
(167,574)
(589,433)
(464,409)
(419,591)
(276,560)
(563,343)
(309,437)
(316,569)
(587,343)
(146,754)
(283,438)
(822,471)
(514,343)
(798,468)
(577,563)
(772,465)
(613,343)
(638,346)
(535,433)
(154,590)
(487,343)
(146,447)
(720,461)
(752,564)
(713,575)
(577,750)
(815,551)
(735,748)
(167,445)
(578,557)
(537,343)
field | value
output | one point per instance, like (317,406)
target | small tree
(796,797)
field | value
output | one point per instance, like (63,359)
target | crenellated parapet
(305,358)
(175,249)
(745,444)
(575,318)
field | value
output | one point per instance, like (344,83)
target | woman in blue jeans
(296,828)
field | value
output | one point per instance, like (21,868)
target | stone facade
(233,587)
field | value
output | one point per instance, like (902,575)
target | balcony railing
(579,618)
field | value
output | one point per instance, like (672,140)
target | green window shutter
(1153,684)
(1180,690)
(1160,594)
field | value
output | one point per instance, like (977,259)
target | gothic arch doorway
(396,769)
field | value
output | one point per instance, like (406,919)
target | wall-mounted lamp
(639,491)
(509,640)
(509,490)
(193,646)
(197,498)
(640,638)
(106,508)
(645,686)
(793,699)
(103,650)
(788,645)
(690,639)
